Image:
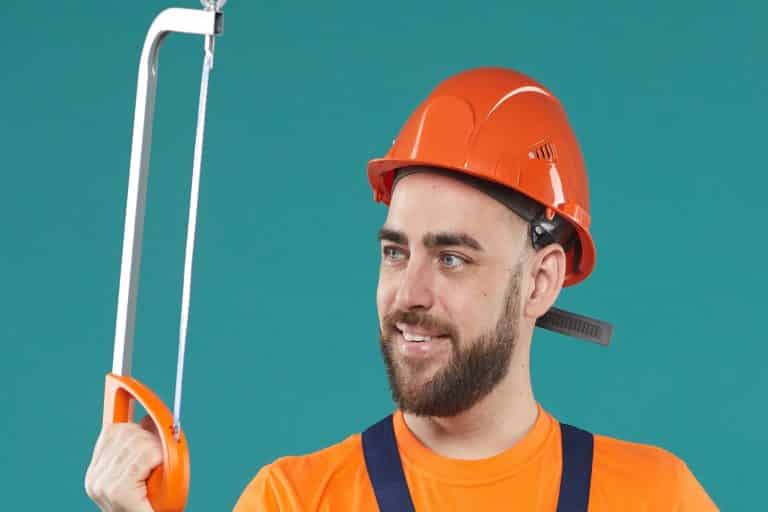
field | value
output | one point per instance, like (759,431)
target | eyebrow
(432,240)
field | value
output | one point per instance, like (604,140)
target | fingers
(123,457)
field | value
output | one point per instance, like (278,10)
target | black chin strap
(577,326)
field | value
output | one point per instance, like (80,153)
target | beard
(474,367)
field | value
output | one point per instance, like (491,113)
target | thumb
(148,424)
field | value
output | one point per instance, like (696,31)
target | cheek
(472,311)
(385,294)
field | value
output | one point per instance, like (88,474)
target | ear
(547,272)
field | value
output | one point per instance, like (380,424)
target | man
(488,219)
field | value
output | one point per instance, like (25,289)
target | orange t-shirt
(625,476)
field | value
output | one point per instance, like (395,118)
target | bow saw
(168,483)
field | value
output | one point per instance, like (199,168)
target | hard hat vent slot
(545,151)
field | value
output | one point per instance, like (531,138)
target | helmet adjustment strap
(576,326)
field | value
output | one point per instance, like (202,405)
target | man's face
(449,293)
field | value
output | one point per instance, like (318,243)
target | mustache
(418,319)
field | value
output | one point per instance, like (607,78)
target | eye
(452,261)
(392,253)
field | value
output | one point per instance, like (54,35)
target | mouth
(417,335)
(415,342)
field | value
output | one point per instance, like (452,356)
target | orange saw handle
(168,483)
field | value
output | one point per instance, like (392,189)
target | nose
(415,289)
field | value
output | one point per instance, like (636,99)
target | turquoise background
(669,103)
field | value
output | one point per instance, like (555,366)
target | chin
(419,373)
(415,384)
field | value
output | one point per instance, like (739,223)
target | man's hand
(122,459)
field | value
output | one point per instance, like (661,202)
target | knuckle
(125,430)
(89,482)
(89,489)
(151,456)
(115,493)
(92,489)
(112,430)
(149,435)
(155,456)
(96,492)
(131,444)
(138,468)
(122,456)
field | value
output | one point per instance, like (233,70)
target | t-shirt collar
(422,459)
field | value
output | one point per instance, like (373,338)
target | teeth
(415,337)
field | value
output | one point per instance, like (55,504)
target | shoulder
(618,455)
(327,461)
(648,473)
(297,482)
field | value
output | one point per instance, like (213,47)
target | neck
(491,426)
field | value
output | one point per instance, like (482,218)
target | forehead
(425,203)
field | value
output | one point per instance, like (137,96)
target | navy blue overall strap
(385,469)
(382,460)
(578,449)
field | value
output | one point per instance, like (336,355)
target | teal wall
(669,102)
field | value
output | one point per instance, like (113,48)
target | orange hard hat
(501,126)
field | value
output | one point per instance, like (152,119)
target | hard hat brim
(381,176)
